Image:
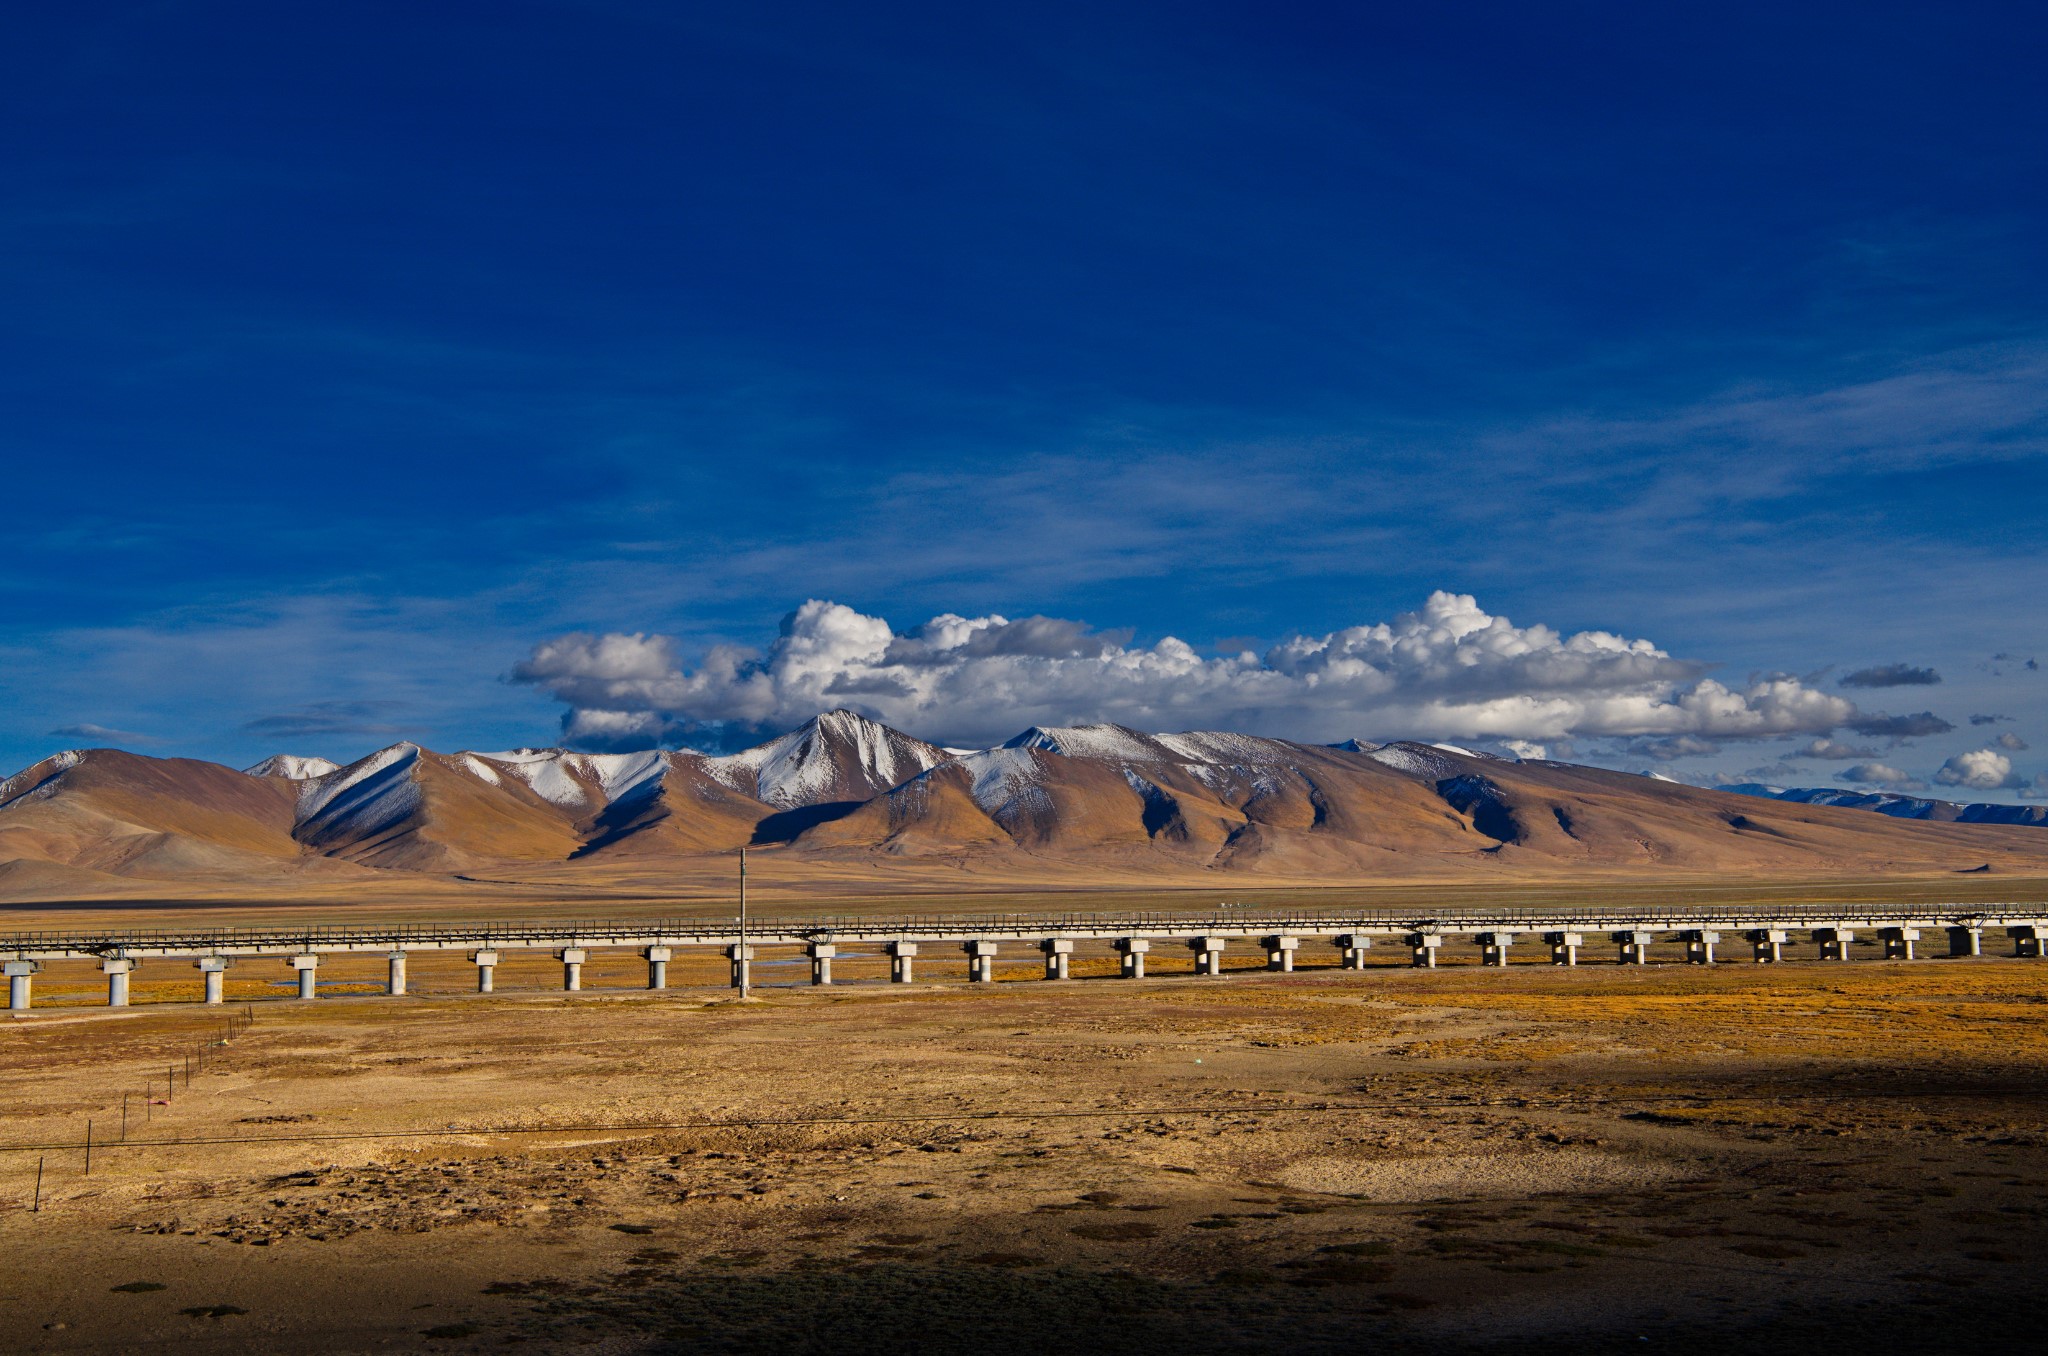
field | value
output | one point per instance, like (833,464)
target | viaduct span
(980,937)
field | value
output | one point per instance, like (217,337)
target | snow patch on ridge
(799,768)
(1088,741)
(292,767)
(1419,760)
(366,796)
(1221,746)
(551,780)
(550,773)
(628,776)
(53,768)
(479,769)
(1007,778)
(321,793)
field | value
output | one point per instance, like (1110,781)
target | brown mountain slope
(1090,802)
(682,812)
(403,807)
(1559,813)
(1198,800)
(1268,808)
(108,811)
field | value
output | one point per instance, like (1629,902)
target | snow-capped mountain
(292,767)
(836,757)
(846,790)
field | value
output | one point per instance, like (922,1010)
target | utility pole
(746,957)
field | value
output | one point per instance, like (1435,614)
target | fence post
(88,1146)
(37,1208)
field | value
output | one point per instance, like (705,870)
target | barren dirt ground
(1834,1157)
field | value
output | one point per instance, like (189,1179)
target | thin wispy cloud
(1919,725)
(1835,751)
(1891,675)
(1881,775)
(89,730)
(326,719)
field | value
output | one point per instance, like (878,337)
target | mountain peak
(841,719)
(292,767)
(834,756)
(41,774)
(1088,741)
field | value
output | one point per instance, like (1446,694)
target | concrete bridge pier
(1493,947)
(572,958)
(394,983)
(486,962)
(1966,941)
(1634,945)
(1059,953)
(214,971)
(1898,942)
(1132,951)
(902,960)
(20,981)
(2027,939)
(1354,945)
(1699,946)
(1425,946)
(1564,946)
(308,967)
(1208,954)
(821,954)
(1280,953)
(117,969)
(981,961)
(1834,942)
(1769,944)
(742,958)
(658,958)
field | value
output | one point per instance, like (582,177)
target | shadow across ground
(897,1309)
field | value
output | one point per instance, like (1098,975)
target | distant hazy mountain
(1900,807)
(850,795)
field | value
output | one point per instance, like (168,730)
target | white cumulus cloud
(1449,670)
(1834,749)
(1979,769)
(1878,774)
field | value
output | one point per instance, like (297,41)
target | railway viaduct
(981,938)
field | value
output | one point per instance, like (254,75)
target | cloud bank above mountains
(1448,670)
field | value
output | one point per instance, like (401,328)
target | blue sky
(348,356)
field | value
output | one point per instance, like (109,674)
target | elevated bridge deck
(1208,934)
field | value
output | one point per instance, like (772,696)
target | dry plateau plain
(1829,1156)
